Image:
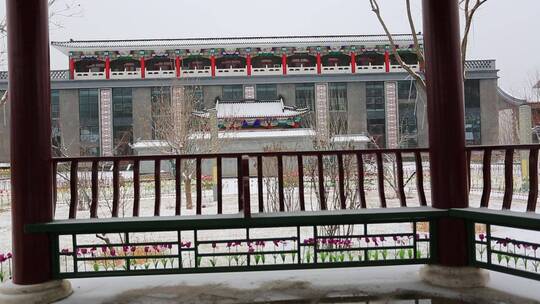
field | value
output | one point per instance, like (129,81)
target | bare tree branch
(419,79)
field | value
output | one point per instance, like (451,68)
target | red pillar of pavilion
(284,63)
(213,65)
(248,64)
(107,67)
(143,68)
(387,61)
(353,62)
(31,166)
(319,68)
(71,68)
(445,98)
(178,64)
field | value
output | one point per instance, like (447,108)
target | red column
(71,68)
(143,68)
(319,68)
(248,64)
(213,65)
(178,63)
(387,61)
(31,167)
(107,67)
(284,63)
(446,125)
(353,62)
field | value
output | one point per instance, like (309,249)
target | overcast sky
(504,30)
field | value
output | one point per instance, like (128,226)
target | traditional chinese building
(343,85)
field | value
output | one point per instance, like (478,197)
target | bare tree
(469,8)
(182,132)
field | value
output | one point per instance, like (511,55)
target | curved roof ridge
(229,38)
(509,98)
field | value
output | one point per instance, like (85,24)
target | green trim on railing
(231,221)
(524,220)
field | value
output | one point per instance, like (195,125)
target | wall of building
(5,135)
(69,121)
(142,114)
(356,107)
(489,112)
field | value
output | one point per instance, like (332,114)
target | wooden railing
(360,158)
(526,155)
(202,242)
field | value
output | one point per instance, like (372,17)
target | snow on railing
(206,72)
(125,74)
(90,75)
(362,69)
(302,70)
(266,71)
(231,72)
(336,69)
(160,73)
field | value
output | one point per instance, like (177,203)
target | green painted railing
(226,243)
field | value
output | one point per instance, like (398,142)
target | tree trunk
(187,187)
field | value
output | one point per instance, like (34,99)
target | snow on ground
(293,286)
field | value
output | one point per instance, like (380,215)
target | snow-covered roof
(226,42)
(255,135)
(252,109)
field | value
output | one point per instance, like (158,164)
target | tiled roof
(478,65)
(182,43)
(251,109)
(55,75)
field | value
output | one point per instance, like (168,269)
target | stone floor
(303,286)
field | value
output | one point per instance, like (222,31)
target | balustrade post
(31,164)
(246,194)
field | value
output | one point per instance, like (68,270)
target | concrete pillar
(106,122)
(489,112)
(525,124)
(356,113)
(391,111)
(69,121)
(142,113)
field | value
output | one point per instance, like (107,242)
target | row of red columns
(178,65)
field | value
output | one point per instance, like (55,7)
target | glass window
(472,112)
(376,116)
(89,122)
(233,92)
(337,93)
(160,97)
(305,96)
(267,92)
(406,90)
(122,120)
(55,124)
(194,94)
(407,124)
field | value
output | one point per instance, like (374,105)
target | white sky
(504,30)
